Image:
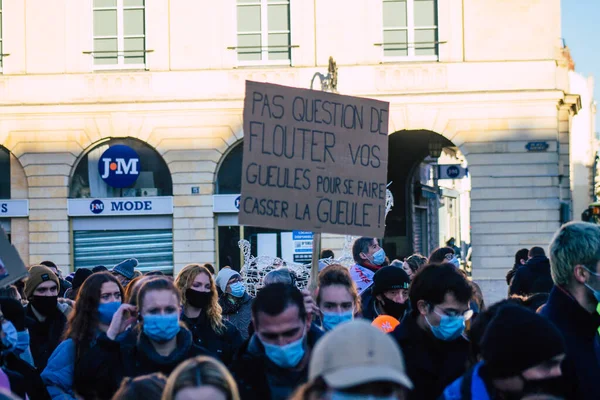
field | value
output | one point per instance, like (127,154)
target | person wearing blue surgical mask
(274,362)
(337,298)
(158,343)
(369,258)
(235,302)
(98,299)
(431,336)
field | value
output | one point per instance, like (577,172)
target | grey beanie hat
(126,268)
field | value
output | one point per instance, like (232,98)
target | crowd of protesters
(407,329)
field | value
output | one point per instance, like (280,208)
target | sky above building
(580,30)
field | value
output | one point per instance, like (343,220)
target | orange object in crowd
(385,323)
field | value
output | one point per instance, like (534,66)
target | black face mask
(198,299)
(45,305)
(393,309)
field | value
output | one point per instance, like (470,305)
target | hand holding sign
(314,161)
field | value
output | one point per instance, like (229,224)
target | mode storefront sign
(120,206)
(226,203)
(14,208)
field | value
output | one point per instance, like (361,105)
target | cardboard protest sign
(11,266)
(314,161)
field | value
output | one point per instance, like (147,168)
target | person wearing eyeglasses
(431,336)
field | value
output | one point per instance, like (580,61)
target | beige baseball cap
(357,353)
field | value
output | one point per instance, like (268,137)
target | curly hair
(184,281)
(83,320)
(336,274)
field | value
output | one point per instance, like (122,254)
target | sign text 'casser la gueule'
(119,166)
(314,161)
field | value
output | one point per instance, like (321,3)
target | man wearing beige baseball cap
(356,360)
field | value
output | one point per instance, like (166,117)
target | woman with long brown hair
(202,313)
(97,301)
(158,343)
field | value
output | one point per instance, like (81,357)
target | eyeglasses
(467,315)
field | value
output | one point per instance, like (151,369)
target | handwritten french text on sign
(314,161)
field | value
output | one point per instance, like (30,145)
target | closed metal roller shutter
(152,248)
(420,230)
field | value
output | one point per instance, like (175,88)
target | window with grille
(119,34)
(263,31)
(410,29)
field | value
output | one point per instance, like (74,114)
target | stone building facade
(79,74)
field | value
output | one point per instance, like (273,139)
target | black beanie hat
(14,312)
(99,268)
(517,339)
(390,278)
(80,276)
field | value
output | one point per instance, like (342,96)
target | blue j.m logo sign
(119,166)
(97,206)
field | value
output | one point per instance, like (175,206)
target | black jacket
(224,345)
(45,336)
(260,379)
(99,373)
(35,388)
(533,277)
(431,364)
(580,331)
(510,275)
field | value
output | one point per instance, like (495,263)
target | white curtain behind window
(97,186)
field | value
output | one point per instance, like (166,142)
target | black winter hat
(517,339)
(99,268)
(80,276)
(390,278)
(14,312)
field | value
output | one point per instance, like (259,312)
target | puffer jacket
(58,374)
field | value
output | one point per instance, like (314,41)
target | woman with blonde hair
(203,315)
(201,378)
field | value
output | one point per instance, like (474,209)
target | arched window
(4,173)
(154,178)
(229,177)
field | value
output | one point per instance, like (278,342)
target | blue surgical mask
(161,328)
(379,257)
(335,395)
(238,289)
(106,311)
(22,341)
(455,262)
(594,291)
(10,338)
(450,328)
(331,320)
(287,356)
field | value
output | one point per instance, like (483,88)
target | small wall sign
(537,146)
